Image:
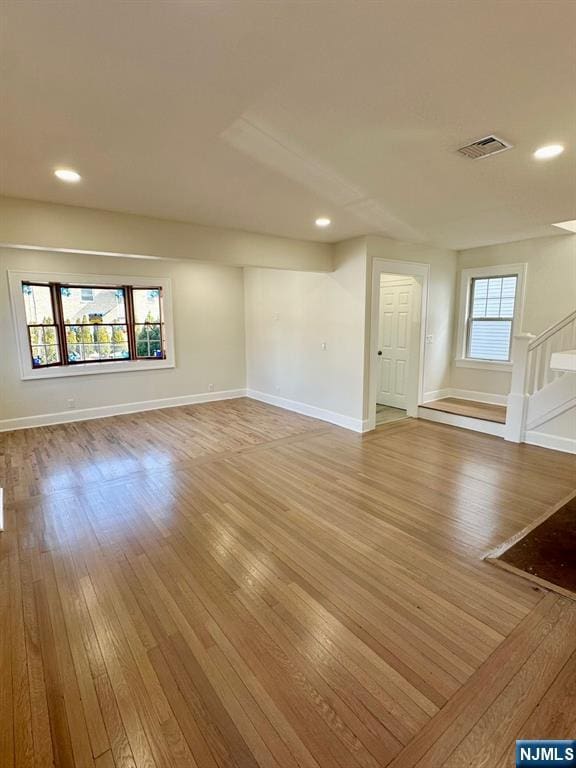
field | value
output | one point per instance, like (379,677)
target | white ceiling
(264,115)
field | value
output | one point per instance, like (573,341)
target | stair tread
(470,408)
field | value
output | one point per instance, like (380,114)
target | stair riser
(464,422)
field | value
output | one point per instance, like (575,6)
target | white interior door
(396,299)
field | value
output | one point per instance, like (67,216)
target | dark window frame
(160,323)
(497,318)
(130,324)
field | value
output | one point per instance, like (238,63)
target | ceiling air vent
(490,145)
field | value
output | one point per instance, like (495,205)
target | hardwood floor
(41,461)
(385,414)
(234,585)
(471,408)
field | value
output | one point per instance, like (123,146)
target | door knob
(379,352)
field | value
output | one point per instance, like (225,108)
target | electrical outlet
(71,403)
(210,387)
(429,338)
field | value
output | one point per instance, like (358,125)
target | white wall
(550,294)
(204,264)
(208,303)
(284,356)
(51,226)
(288,310)
(288,317)
(441,302)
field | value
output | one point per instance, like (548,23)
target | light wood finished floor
(471,408)
(231,585)
(385,414)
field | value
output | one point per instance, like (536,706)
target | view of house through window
(490,318)
(70,324)
(96,328)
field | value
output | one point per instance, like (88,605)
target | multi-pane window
(96,328)
(148,325)
(42,327)
(71,324)
(490,317)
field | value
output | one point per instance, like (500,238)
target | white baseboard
(466,394)
(465,422)
(84,414)
(357,425)
(480,397)
(532,437)
(554,442)
(437,394)
(64,417)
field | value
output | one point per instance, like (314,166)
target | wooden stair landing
(470,408)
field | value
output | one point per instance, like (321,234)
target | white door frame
(421,273)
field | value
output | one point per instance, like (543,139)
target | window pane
(148,341)
(479,296)
(490,339)
(105,306)
(38,304)
(146,305)
(87,294)
(481,287)
(39,356)
(120,342)
(45,355)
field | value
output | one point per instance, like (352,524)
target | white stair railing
(532,372)
(560,336)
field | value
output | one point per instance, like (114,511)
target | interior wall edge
(339,419)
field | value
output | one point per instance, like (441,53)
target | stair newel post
(518,397)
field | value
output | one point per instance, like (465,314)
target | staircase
(542,400)
(541,407)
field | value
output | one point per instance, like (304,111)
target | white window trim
(466,276)
(27,372)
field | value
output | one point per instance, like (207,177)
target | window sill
(487,365)
(91,369)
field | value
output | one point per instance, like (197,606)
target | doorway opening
(399,291)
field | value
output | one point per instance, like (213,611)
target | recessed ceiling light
(67,174)
(550,150)
(323,222)
(569,225)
